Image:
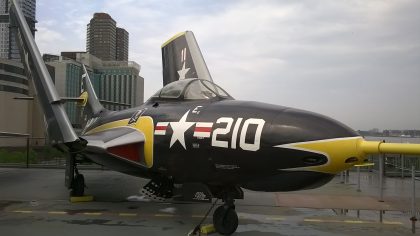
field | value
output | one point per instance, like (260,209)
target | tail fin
(90,106)
(182,58)
(93,104)
(58,125)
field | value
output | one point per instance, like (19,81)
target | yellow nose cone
(342,153)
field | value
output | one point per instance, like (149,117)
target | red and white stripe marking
(203,129)
(161,127)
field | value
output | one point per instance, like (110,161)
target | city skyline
(356,62)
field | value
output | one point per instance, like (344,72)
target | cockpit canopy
(191,89)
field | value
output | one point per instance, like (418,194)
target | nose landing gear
(225,218)
(74,180)
(78,184)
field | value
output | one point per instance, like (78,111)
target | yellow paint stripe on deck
(57,212)
(313,220)
(92,213)
(352,221)
(164,215)
(127,214)
(274,218)
(21,211)
(393,223)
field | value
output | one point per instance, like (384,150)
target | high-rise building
(8,44)
(121,52)
(105,40)
(101,37)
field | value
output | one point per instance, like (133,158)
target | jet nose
(294,125)
(318,134)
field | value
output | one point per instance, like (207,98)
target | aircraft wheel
(78,188)
(225,220)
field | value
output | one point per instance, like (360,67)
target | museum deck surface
(35,202)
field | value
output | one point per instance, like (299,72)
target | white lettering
(255,146)
(221,131)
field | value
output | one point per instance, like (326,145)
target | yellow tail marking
(173,38)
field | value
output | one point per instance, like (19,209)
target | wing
(182,59)
(59,127)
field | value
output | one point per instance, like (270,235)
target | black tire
(78,188)
(225,220)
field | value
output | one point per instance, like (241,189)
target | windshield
(191,89)
(197,90)
(173,90)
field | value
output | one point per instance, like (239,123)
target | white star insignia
(183,72)
(179,129)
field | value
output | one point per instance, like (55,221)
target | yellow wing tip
(173,38)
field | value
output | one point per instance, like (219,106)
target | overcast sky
(355,61)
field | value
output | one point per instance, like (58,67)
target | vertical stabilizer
(58,125)
(90,107)
(182,59)
(93,102)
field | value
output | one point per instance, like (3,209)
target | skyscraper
(8,45)
(101,33)
(104,40)
(122,45)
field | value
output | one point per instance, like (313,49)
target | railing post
(381,173)
(402,166)
(381,217)
(413,198)
(358,179)
(27,152)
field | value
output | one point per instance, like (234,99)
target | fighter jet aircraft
(193,131)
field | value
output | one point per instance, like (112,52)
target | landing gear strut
(225,218)
(78,184)
(74,180)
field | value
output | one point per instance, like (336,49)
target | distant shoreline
(393,139)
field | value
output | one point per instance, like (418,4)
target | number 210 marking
(255,146)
